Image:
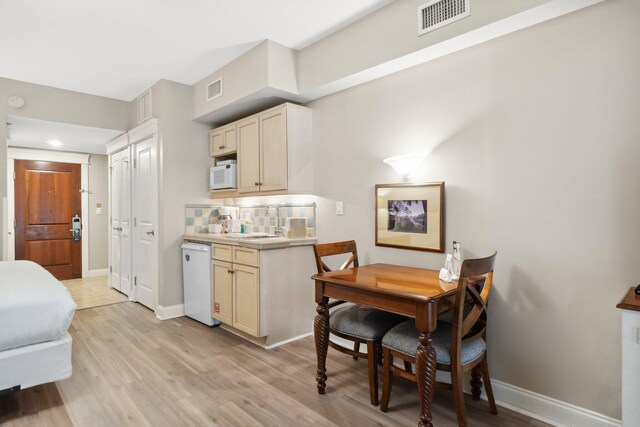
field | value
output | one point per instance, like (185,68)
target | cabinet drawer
(246,256)
(221,252)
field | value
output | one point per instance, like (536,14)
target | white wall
(184,168)
(536,135)
(56,105)
(98,223)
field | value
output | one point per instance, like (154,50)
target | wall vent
(214,89)
(438,13)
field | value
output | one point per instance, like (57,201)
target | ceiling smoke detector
(16,101)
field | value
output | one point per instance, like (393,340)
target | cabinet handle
(151,233)
(230,271)
(220,147)
(256,183)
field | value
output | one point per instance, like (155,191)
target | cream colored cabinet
(249,155)
(262,151)
(274,151)
(223,140)
(236,288)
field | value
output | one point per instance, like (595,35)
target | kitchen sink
(251,235)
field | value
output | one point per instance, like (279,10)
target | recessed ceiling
(119,48)
(31,133)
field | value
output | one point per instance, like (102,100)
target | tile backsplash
(198,217)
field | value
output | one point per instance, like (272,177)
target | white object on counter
(215,228)
(297,227)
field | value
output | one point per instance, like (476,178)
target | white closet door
(121,221)
(145,206)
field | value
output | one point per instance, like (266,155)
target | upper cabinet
(274,152)
(223,140)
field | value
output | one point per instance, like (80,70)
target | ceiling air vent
(214,89)
(438,13)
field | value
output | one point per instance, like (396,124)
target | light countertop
(261,243)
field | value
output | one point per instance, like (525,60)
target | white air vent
(438,13)
(214,89)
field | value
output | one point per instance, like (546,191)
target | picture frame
(410,216)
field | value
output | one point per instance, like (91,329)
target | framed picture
(410,216)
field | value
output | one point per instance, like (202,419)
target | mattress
(35,364)
(34,306)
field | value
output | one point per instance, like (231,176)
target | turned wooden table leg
(426,376)
(321,335)
(476,382)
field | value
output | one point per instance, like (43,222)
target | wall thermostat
(16,101)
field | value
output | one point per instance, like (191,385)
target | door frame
(14,153)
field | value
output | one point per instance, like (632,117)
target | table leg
(426,376)
(321,335)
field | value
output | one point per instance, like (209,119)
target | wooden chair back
(470,311)
(322,250)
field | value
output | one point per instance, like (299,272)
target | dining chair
(354,322)
(460,346)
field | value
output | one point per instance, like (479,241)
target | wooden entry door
(47,197)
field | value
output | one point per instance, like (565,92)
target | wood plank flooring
(130,369)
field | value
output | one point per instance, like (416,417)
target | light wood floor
(130,369)
(93,292)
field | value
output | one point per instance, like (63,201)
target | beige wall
(56,105)
(98,223)
(184,168)
(537,137)
(387,34)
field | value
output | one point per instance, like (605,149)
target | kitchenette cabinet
(223,140)
(274,152)
(236,294)
(263,293)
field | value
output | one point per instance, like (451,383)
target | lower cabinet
(264,295)
(236,292)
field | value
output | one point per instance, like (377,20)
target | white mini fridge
(196,279)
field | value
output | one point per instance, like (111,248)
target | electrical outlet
(339,208)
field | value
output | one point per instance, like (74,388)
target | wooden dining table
(412,292)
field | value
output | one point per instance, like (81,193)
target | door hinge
(135,163)
(14,176)
(14,223)
(135,280)
(135,222)
(110,269)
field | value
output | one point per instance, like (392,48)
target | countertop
(256,243)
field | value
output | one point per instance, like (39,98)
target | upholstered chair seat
(363,322)
(403,338)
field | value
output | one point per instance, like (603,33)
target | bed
(35,313)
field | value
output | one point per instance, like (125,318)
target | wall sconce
(405,165)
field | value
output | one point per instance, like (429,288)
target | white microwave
(223,177)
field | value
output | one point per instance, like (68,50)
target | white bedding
(34,306)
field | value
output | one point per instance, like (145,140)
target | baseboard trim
(164,313)
(97,273)
(287,341)
(531,404)
(547,409)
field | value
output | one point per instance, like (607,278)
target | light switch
(339,208)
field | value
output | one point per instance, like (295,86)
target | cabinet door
(222,292)
(246,299)
(273,150)
(248,155)
(229,138)
(216,146)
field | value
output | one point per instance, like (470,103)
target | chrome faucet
(279,231)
